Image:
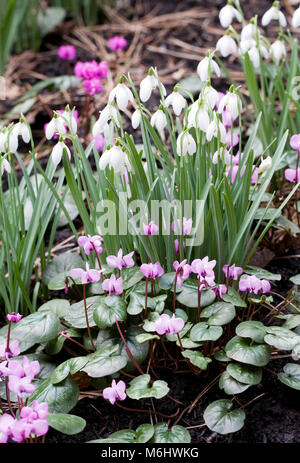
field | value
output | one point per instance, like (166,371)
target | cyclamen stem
(86,318)
(8,337)
(199,299)
(75,342)
(98,260)
(128,350)
(146,297)
(174,294)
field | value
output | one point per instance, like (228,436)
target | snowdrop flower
(296,18)
(4,166)
(120,261)
(115,392)
(166,324)
(8,141)
(185,144)
(216,129)
(21,129)
(115,158)
(265,165)
(113,285)
(226,46)
(136,119)
(121,94)
(206,67)
(71,119)
(147,85)
(56,125)
(246,45)
(198,117)
(210,96)
(274,13)
(101,125)
(278,50)
(223,154)
(57,151)
(227,14)
(254,56)
(232,102)
(250,31)
(177,101)
(159,120)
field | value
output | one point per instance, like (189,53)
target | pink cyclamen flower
(254,285)
(152,270)
(150,229)
(295,142)
(220,290)
(87,276)
(99,142)
(115,392)
(14,350)
(6,425)
(117,42)
(235,139)
(166,324)
(232,271)
(113,285)
(183,271)
(14,317)
(176,244)
(183,226)
(93,86)
(292,175)
(204,269)
(91,70)
(120,261)
(67,52)
(90,243)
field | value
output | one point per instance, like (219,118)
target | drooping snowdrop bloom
(58,150)
(4,166)
(152,271)
(120,261)
(91,243)
(177,101)
(71,117)
(56,125)
(159,120)
(136,119)
(67,52)
(8,141)
(198,117)
(147,85)
(183,271)
(246,45)
(254,56)
(226,46)
(227,14)
(206,67)
(113,285)
(150,229)
(254,285)
(116,159)
(223,154)
(210,96)
(115,392)
(165,324)
(121,94)
(232,103)
(296,18)
(101,125)
(278,50)
(275,14)
(232,271)
(185,144)
(216,129)
(87,276)
(22,130)
(117,42)
(250,31)
(265,165)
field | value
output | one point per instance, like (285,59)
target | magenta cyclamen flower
(91,70)
(292,175)
(113,285)
(117,42)
(150,229)
(176,244)
(295,142)
(204,269)
(183,226)
(99,142)
(6,426)
(67,52)
(14,350)
(90,243)
(232,271)
(87,276)
(115,392)
(152,270)
(93,86)
(254,285)
(120,261)
(20,375)
(166,324)
(183,271)
(14,317)
(220,291)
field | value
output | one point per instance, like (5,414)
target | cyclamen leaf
(220,417)
(230,385)
(140,388)
(67,424)
(247,351)
(61,397)
(291,375)
(174,435)
(197,358)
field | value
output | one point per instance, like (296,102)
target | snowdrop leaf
(62,265)
(61,397)
(230,385)
(281,338)
(251,329)
(57,306)
(234,298)
(109,309)
(203,332)
(247,351)
(220,417)
(246,374)
(197,358)
(76,315)
(131,276)
(262,273)
(145,337)
(139,388)
(189,295)
(175,435)
(105,361)
(291,375)
(67,424)
(219,313)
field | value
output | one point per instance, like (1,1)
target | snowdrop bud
(232,102)
(136,119)
(206,67)
(249,32)
(296,18)
(278,50)
(274,14)
(216,129)
(159,120)
(254,56)
(177,101)
(198,117)
(226,46)
(186,144)
(55,125)
(265,165)
(71,120)
(147,85)
(210,96)
(57,152)
(5,166)
(227,14)
(122,94)
(223,154)
(21,129)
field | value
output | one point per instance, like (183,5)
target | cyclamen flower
(227,14)
(87,276)
(220,290)
(177,101)
(226,45)
(295,142)
(254,285)
(166,324)
(93,86)
(150,229)
(176,245)
(274,13)
(152,271)
(232,271)
(120,261)
(118,42)
(183,271)
(232,140)
(57,152)
(67,52)
(147,85)
(99,142)
(122,94)
(204,269)
(115,158)
(6,426)
(296,18)
(183,226)
(206,67)
(14,350)
(91,69)
(113,285)
(115,392)
(91,243)
(292,175)
(14,317)
(185,144)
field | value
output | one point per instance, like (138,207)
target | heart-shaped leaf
(203,332)
(109,309)
(174,435)
(197,358)
(281,338)
(61,265)
(166,281)
(292,321)
(76,315)
(57,306)
(291,375)
(67,424)
(71,366)
(296,279)
(61,397)
(246,374)
(219,313)
(234,298)
(104,362)
(221,356)
(262,273)
(247,351)
(140,388)
(220,417)
(131,276)
(189,295)
(145,337)
(251,329)
(142,434)
(230,385)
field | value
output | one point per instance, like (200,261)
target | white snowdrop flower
(122,94)
(11,142)
(147,85)
(210,96)
(21,129)
(232,102)
(274,13)
(177,101)
(159,120)
(250,31)
(198,117)
(254,56)
(206,67)
(136,119)
(56,124)
(227,14)
(3,136)
(226,46)
(185,144)
(101,125)
(4,166)
(223,154)
(57,152)
(265,165)
(296,18)
(278,50)
(216,129)
(71,121)
(115,158)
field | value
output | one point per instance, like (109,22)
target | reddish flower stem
(128,350)
(86,318)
